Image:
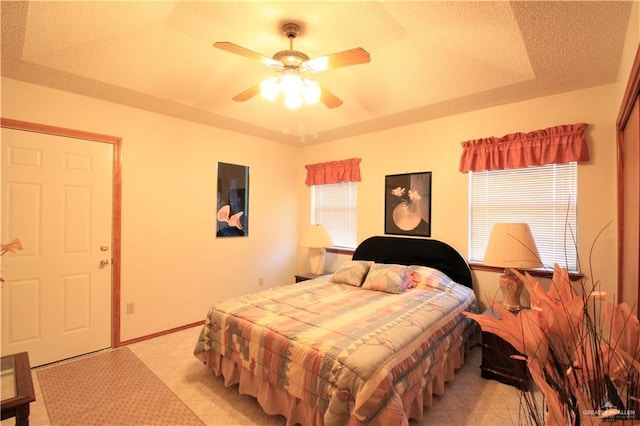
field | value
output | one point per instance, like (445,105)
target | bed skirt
(275,401)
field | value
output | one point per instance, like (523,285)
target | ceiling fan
(291,64)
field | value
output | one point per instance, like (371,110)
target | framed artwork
(407,209)
(233,201)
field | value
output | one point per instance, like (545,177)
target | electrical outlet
(131,308)
(260,282)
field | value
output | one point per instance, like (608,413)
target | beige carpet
(110,388)
(469,400)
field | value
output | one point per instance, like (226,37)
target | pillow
(389,278)
(424,277)
(351,272)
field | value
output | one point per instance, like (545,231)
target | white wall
(435,146)
(173,266)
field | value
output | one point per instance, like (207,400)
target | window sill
(541,273)
(340,250)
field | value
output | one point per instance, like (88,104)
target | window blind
(545,197)
(335,207)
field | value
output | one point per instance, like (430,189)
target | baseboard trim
(158,334)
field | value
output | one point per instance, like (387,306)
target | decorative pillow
(351,272)
(424,277)
(389,278)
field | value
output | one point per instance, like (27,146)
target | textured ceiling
(428,59)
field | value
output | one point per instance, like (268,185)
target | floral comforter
(353,354)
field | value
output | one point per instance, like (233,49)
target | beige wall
(435,146)
(173,266)
(631,46)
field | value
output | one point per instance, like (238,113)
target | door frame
(631,94)
(116,226)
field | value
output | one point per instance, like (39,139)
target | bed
(351,347)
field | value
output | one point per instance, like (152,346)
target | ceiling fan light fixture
(270,88)
(296,90)
(291,84)
(293,101)
(310,91)
(291,63)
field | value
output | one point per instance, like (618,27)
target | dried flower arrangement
(12,247)
(583,353)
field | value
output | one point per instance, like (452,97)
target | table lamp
(317,238)
(511,246)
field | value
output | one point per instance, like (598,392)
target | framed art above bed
(407,209)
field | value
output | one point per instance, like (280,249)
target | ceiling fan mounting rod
(291,30)
(291,59)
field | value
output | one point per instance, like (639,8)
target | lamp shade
(511,245)
(316,236)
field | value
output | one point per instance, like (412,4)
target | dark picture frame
(407,209)
(232,212)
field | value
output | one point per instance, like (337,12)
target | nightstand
(307,276)
(497,363)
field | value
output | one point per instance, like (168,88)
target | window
(335,207)
(545,197)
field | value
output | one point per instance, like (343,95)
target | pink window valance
(333,172)
(555,145)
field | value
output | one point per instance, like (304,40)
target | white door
(57,198)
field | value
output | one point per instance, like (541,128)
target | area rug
(110,388)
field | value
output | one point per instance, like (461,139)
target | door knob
(105,262)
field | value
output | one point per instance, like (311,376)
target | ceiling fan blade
(247,94)
(329,99)
(239,50)
(335,60)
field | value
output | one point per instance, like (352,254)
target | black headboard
(415,251)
